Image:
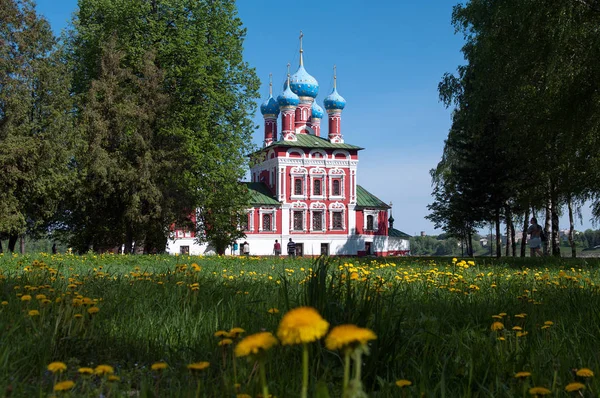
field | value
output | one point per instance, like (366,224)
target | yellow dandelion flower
(5,303)
(501,339)
(522,334)
(198,366)
(64,385)
(496,326)
(34,313)
(301,325)
(26,297)
(255,343)
(243,396)
(221,333)
(571,387)
(502,314)
(344,336)
(113,378)
(77,316)
(159,366)
(585,372)
(225,342)
(104,370)
(235,332)
(57,367)
(549,323)
(273,311)
(403,383)
(522,375)
(93,310)
(539,391)
(517,328)
(496,317)
(85,371)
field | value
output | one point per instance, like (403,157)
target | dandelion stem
(357,365)
(304,393)
(346,370)
(263,378)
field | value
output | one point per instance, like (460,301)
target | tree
(210,89)
(36,134)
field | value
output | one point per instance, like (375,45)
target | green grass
(432,319)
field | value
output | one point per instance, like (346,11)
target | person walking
(291,248)
(235,248)
(277,248)
(535,240)
(246,249)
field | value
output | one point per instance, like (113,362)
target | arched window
(370,223)
(335,191)
(336,220)
(267,222)
(317,187)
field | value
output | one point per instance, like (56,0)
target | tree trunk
(508,235)
(547,225)
(524,234)
(12,242)
(571,230)
(513,240)
(22,244)
(498,237)
(470,243)
(1,250)
(555,227)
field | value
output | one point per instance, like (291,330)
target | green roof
(366,199)
(312,141)
(394,233)
(260,194)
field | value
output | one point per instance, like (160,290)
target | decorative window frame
(339,174)
(318,207)
(337,207)
(375,214)
(318,173)
(295,150)
(250,217)
(322,153)
(298,206)
(302,173)
(271,211)
(341,152)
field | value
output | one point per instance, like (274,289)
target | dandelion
(158,366)
(64,385)
(517,328)
(571,387)
(113,378)
(93,310)
(585,372)
(539,391)
(198,366)
(302,325)
(522,334)
(34,313)
(256,345)
(85,371)
(403,383)
(522,375)
(496,326)
(549,323)
(221,333)
(57,367)
(235,332)
(225,342)
(5,303)
(104,370)
(273,311)
(26,297)
(347,338)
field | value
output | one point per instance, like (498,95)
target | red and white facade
(304,186)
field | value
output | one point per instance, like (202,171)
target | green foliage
(36,134)
(167,111)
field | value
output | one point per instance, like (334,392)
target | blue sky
(390,57)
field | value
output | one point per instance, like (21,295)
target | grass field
(434,321)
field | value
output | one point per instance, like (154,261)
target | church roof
(366,199)
(312,141)
(260,194)
(395,233)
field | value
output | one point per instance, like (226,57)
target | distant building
(304,185)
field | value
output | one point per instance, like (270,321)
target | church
(303,184)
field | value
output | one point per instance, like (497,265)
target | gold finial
(334,77)
(270,84)
(301,51)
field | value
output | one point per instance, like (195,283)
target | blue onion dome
(304,84)
(334,101)
(288,98)
(270,106)
(317,111)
